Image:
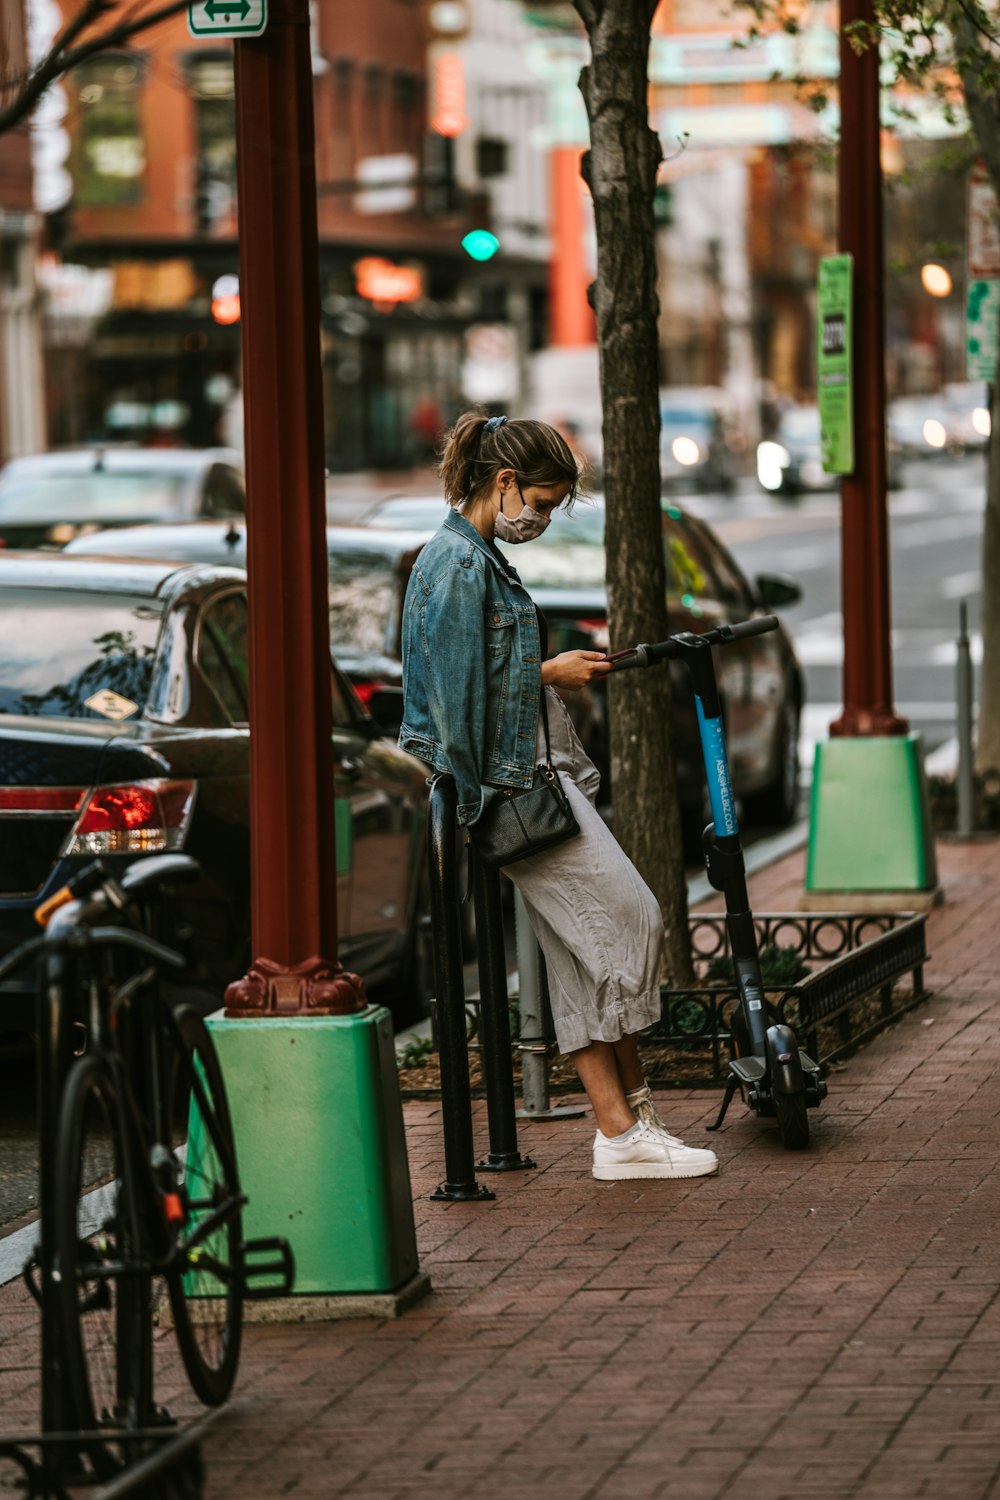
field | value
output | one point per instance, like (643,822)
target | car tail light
(365,690)
(40,801)
(136,817)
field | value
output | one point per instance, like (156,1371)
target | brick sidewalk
(820,1324)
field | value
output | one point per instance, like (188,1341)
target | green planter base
(869,821)
(319,1138)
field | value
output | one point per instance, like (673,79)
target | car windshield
(803,423)
(363,592)
(94,496)
(681,420)
(66,654)
(568,554)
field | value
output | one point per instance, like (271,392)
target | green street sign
(834,364)
(982,330)
(227,17)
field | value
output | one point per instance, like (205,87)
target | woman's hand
(574,669)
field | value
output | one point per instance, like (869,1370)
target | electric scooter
(776,1079)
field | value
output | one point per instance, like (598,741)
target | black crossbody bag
(521,821)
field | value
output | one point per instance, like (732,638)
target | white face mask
(520,528)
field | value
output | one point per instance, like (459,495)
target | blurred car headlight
(935,433)
(686,451)
(772,459)
(981,421)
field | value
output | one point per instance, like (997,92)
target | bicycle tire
(207,1306)
(793,1120)
(103,1288)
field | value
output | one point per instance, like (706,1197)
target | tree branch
(62,57)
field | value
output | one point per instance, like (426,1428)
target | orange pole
(571,318)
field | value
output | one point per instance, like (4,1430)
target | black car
(365,569)
(46,499)
(123,732)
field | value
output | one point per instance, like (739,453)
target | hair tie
(492,423)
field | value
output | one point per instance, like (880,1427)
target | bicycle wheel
(793,1120)
(205,1279)
(103,1290)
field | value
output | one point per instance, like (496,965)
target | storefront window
(111,164)
(213,93)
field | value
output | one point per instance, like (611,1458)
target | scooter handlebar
(675,645)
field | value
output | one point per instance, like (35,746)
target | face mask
(522,528)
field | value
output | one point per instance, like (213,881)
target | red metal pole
(868,707)
(293,861)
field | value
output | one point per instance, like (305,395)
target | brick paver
(821,1324)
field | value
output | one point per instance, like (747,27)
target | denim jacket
(471,667)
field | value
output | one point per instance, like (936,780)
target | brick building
(154,200)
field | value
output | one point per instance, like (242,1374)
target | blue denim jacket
(471,667)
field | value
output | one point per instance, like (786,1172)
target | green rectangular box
(320,1145)
(869,821)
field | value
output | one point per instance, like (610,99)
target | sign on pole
(982,330)
(982,281)
(983,254)
(834,359)
(227,17)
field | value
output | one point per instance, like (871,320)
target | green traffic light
(480,244)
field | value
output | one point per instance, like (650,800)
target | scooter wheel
(793,1121)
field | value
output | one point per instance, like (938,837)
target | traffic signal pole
(868,706)
(309,1064)
(870,844)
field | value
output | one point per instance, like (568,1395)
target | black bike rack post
(494,1025)
(453,1042)
(54,1059)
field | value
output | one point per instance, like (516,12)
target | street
(935,527)
(935,524)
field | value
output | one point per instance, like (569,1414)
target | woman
(473,671)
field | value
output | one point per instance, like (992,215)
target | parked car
(123,732)
(365,569)
(48,498)
(697,449)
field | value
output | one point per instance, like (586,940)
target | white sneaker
(640,1102)
(647,1153)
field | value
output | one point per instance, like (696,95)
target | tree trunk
(986,131)
(620,170)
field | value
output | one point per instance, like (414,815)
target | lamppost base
(320,1144)
(315,987)
(869,818)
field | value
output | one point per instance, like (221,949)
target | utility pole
(868,708)
(309,1064)
(870,843)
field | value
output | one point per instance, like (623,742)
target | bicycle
(775,1078)
(145,1189)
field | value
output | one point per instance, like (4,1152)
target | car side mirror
(386,707)
(777,590)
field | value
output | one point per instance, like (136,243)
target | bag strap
(545,726)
